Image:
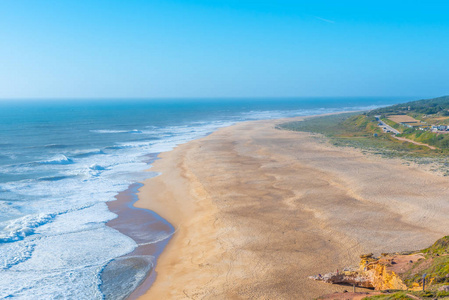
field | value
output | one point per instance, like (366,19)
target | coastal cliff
(422,273)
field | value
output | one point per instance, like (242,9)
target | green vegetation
(436,264)
(424,107)
(438,140)
(394,125)
(440,247)
(359,131)
(436,267)
(406,295)
(362,131)
(331,125)
(432,111)
(395,296)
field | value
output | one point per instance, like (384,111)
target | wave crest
(116,131)
(58,160)
(20,228)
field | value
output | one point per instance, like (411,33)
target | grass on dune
(360,130)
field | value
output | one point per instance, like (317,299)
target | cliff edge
(420,274)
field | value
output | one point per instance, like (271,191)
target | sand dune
(257,210)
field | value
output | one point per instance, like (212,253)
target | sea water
(61,161)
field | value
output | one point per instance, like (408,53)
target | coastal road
(386,127)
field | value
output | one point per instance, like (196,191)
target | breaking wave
(20,228)
(57,160)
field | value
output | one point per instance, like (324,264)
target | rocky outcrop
(406,272)
(379,273)
(348,276)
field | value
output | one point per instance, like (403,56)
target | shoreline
(138,224)
(219,190)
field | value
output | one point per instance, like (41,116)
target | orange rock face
(376,273)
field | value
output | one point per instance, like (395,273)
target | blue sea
(61,162)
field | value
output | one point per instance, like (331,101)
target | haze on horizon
(232,48)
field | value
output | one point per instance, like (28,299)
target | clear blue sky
(232,48)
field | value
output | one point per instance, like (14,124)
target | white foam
(56,238)
(108,131)
(59,159)
(116,131)
(77,250)
(86,152)
(135,131)
(18,229)
(14,253)
(72,261)
(69,284)
(62,236)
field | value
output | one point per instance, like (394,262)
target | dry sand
(257,210)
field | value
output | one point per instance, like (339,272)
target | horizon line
(211,98)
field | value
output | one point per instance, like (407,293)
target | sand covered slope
(258,210)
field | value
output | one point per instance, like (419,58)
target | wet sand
(257,210)
(142,226)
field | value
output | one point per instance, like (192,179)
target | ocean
(62,162)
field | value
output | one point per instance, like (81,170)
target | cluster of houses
(410,122)
(435,128)
(425,126)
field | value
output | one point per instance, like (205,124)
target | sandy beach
(257,210)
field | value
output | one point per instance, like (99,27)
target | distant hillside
(417,128)
(438,105)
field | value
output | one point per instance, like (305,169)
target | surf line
(150,231)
